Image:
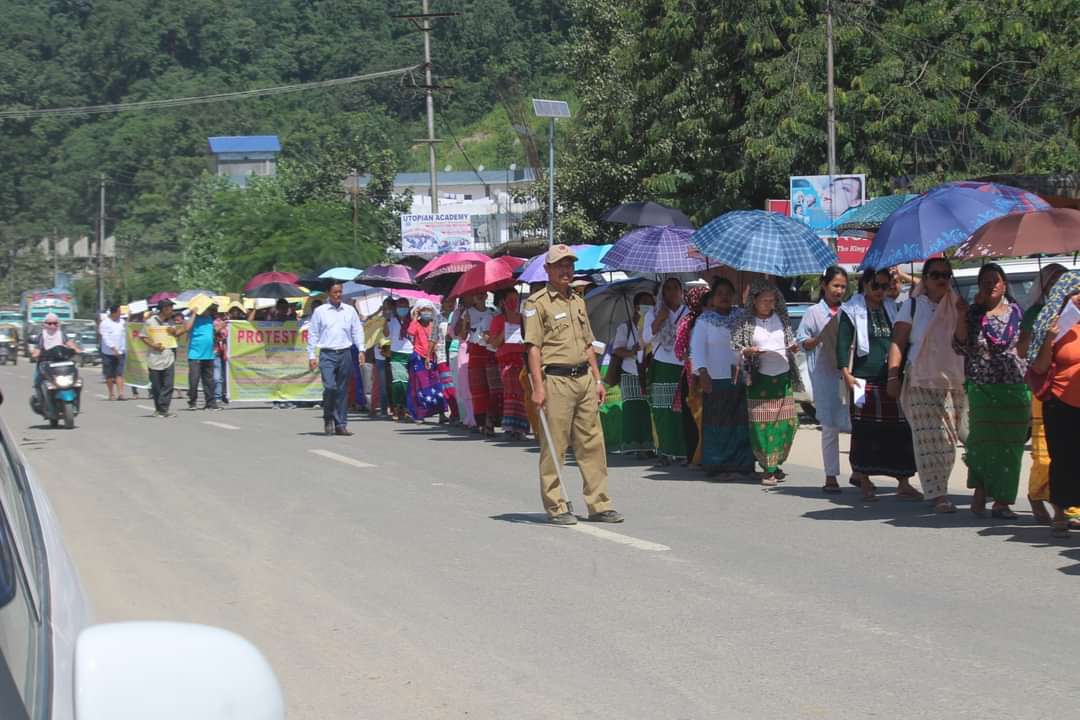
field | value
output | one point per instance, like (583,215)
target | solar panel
(551,108)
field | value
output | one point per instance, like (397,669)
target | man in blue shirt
(334,328)
(201,357)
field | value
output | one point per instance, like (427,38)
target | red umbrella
(492,275)
(454,262)
(158,297)
(271,277)
(1051,232)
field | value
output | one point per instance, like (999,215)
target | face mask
(403,312)
(645,308)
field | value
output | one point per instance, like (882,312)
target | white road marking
(223,426)
(340,458)
(99,396)
(145,407)
(618,538)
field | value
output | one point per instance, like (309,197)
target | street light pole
(430,111)
(100,243)
(831,91)
(551,182)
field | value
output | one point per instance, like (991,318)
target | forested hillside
(704,104)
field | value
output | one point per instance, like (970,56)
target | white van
(1022,276)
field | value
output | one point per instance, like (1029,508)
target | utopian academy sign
(445,232)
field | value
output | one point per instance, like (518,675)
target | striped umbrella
(764,242)
(655,249)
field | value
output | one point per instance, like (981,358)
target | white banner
(442,233)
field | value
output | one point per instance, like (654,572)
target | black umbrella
(312,281)
(276,291)
(646,214)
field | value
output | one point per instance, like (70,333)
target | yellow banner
(268,362)
(136,372)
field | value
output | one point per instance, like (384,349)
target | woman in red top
(1056,360)
(506,336)
(424,393)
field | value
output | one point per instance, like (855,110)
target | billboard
(436,234)
(851,250)
(818,202)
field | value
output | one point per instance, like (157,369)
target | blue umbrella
(764,242)
(932,223)
(588,260)
(344,274)
(655,249)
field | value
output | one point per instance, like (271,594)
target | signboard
(136,372)
(778,206)
(818,202)
(851,250)
(445,232)
(268,362)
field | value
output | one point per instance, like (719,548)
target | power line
(200,99)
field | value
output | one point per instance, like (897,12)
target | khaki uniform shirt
(559,326)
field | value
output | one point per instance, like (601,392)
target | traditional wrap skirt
(399,373)
(479,358)
(934,432)
(425,392)
(664,381)
(998,419)
(514,417)
(446,377)
(725,430)
(880,436)
(773,420)
(637,429)
(1039,479)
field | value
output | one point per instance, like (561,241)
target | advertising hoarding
(436,234)
(817,202)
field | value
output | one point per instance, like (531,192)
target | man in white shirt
(335,327)
(113,351)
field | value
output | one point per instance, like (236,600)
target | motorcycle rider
(51,336)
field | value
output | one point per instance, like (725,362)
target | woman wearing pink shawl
(932,394)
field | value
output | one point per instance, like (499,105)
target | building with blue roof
(241,157)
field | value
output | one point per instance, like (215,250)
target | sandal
(944,507)
(831,488)
(1003,513)
(769,481)
(1059,529)
(780,474)
(909,494)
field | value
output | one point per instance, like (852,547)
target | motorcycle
(58,393)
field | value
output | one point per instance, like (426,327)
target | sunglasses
(879,286)
(939,274)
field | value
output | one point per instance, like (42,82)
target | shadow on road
(526,518)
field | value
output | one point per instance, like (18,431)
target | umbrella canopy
(270,277)
(611,306)
(764,242)
(589,259)
(388,276)
(659,249)
(871,214)
(453,262)
(190,294)
(492,275)
(276,291)
(352,290)
(1053,232)
(340,273)
(932,223)
(159,296)
(1026,201)
(645,214)
(313,281)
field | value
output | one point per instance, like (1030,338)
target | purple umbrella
(388,276)
(657,249)
(589,259)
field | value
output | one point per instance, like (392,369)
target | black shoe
(608,516)
(343,431)
(192,406)
(328,427)
(566,518)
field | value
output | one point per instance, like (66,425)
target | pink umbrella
(454,262)
(158,297)
(492,275)
(417,295)
(271,277)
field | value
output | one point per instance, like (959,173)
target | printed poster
(817,202)
(136,372)
(436,234)
(268,362)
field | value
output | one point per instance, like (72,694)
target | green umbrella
(872,214)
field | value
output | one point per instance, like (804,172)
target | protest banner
(136,372)
(268,362)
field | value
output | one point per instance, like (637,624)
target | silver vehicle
(56,665)
(1022,274)
(805,398)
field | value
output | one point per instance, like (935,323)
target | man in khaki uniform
(566,386)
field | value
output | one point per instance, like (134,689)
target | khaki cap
(557,253)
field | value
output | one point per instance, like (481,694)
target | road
(405,573)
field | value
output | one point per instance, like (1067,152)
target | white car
(1022,276)
(56,665)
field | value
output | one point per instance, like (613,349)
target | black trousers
(200,370)
(1062,422)
(161,388)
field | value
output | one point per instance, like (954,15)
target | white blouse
(769,337)
(710,348)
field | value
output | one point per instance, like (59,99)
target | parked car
(56,665)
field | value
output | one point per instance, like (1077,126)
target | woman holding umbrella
(661,326)
(629,349)
(999,402)
(471,325)
(1055,368)
(505,335)
(766,344)
(933,372)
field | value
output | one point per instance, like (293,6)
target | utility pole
(355,210)
(831,90)
(422,22)
(551,182)
(100,245)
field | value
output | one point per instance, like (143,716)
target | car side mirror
(172,671)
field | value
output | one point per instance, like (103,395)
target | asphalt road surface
(406,573)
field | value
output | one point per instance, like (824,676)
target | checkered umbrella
(871,214)
(764,242)
(655,249)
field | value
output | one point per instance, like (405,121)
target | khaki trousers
(574,418)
